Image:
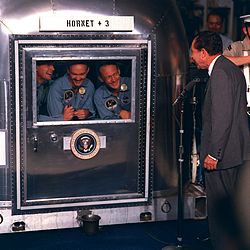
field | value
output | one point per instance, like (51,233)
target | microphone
(186,89)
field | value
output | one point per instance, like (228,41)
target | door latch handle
(35,143)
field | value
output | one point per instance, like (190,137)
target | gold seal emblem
(82,90)
(85,144)
(124,87)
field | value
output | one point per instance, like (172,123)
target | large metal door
(49,172)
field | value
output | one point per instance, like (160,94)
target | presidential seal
(85,144)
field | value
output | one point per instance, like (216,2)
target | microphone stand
(180,212)
(194,153)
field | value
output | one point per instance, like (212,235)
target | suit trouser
(224,227)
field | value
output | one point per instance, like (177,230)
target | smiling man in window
(113,98)
(71,96)
(44,73)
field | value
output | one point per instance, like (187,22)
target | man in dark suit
(225,137)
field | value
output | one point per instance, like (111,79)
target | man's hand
(124,114)
(68,113)
(209,163)
(82,113)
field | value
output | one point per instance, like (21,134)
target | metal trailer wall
(157,19)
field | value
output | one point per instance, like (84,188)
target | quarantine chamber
(52,171)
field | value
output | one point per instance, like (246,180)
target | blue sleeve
(103,112)
(44,118)
(89,104)
(55,104)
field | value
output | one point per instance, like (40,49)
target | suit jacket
(225,133)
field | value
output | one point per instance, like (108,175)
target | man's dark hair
(247,25)
(210,41)
(216,13)
(74,62)
(105,63)
(44,62)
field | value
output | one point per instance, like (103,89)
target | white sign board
(86,23)
(2,148)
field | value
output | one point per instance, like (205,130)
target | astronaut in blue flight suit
(71,96)
(113,98)
(44,72)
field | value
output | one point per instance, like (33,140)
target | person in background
(225,140)
(44,73)
(215,24)
(71,96)
(235,51)
(113,98)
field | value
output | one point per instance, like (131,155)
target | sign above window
(86,23)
